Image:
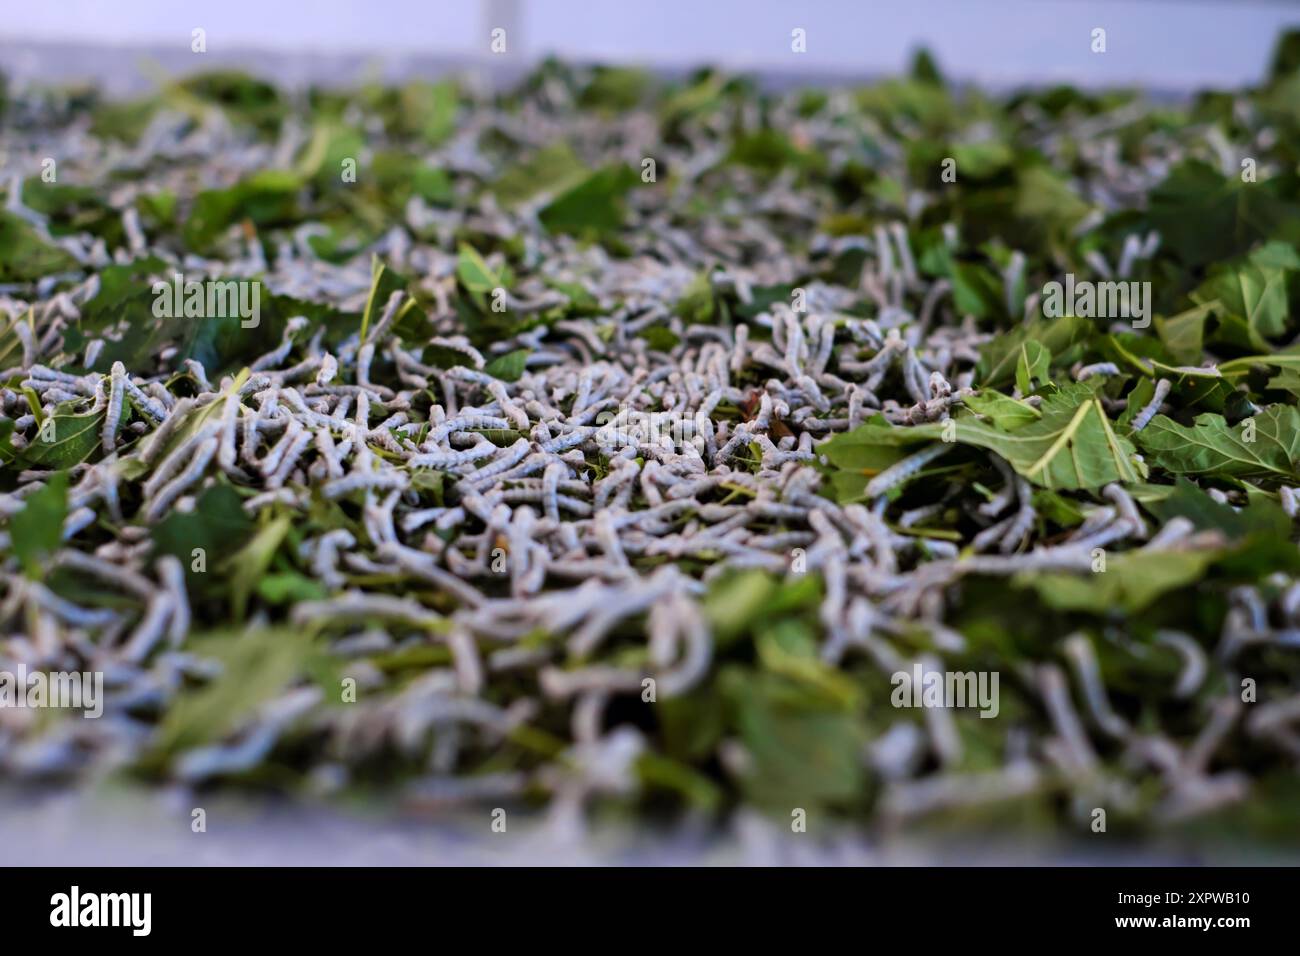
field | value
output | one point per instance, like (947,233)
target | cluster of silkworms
(556,515)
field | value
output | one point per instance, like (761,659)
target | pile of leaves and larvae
(419,530)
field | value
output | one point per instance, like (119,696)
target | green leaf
(244,98)
(1033,366)
(769,151)
(474,272)
(217,525)
(655,770)
(248,565)
(1260,534)
(1254,294)
(194,419)
(1132,581)
(1137,399)
(734,602)
(224,343)
(698,304)
(1210,446)
(1046,197)
(1003,411)
(616,89)
(429,110)
(390,181)
(70,209)
(257,665)
(551,170)
(76,439)
(803,752)
(594,206)
(376,276)
(789,648)
(286,587)
(36,530)
(660,339)
(1280,360)
(510,366)
(1072,446)
(1205,217)
(858,456)
(1183,334)
(433,185)
(1190,502)
(999,359)
(266,198)
(24,255)
(124,121)
(1286,380)
(125,298)
(737,603)
(1058,508)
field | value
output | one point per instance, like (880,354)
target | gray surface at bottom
(148,828)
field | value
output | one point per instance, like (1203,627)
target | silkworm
(622,541)
(357,605)
(180,454)
(899,472)
(166,495)
(68,612)
(357,480)
(113,414)
(1127,508)
(143,403)
(1078,752)
(289,460)
(150,629)
(198,374)
(1290,505)
(1097,368)
(1194,663)
(1081,655)
(328,369)
(1148,412)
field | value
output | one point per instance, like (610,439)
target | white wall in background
(436,26)
(1166,43)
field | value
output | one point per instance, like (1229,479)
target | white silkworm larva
(173,489)
(1098,368)
(1081,654)
(1142,418)
(899,472)
(229,419)
(150,629)
(144,403)
(77,521)
(281,473)
(357,480)
(1288,500)
(1195,666)
(113,415)
(329,367)
(172,463)
(173,578)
